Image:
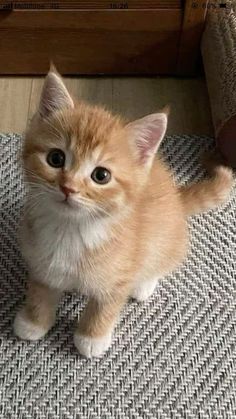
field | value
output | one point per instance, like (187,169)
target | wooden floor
(132,97)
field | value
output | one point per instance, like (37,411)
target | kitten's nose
(67,191)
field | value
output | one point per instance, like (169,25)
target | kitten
(102,215)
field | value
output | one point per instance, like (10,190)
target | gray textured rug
(172,357)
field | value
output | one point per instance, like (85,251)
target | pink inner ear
(149,132)
(149,141)
(54,96)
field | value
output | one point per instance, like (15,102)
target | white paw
(89,346)
(143,290)
(24,328)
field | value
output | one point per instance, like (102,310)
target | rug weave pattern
(172,357)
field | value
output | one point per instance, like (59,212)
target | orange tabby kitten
(102,216)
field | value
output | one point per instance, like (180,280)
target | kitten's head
(82,161)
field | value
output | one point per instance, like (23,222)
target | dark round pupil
(56,158)
(101,174)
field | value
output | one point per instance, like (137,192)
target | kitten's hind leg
(37,316)
(143,289)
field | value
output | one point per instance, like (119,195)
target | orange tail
(209,193)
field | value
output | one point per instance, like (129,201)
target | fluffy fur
(111,241)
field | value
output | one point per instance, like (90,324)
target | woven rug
(172,357)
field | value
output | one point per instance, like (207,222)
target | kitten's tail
(210,192)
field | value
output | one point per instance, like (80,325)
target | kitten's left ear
(55,95)
(146,135)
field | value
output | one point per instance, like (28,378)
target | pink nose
(67,191)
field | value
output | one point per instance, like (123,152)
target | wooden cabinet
(100,37)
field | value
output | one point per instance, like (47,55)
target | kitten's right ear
(55,95)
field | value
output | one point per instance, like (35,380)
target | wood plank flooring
(132,97)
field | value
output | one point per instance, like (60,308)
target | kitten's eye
(101,175)
(56,158)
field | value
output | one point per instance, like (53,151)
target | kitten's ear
(146,135)
(55,95)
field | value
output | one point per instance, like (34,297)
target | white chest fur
(53,247)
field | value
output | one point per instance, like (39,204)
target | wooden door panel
(90,42)
(101,37)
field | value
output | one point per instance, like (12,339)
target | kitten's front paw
(89,346)
(24,328)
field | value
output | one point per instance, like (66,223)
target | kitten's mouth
(70,204)
(64,202)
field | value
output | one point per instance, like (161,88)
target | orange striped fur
(108,241)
